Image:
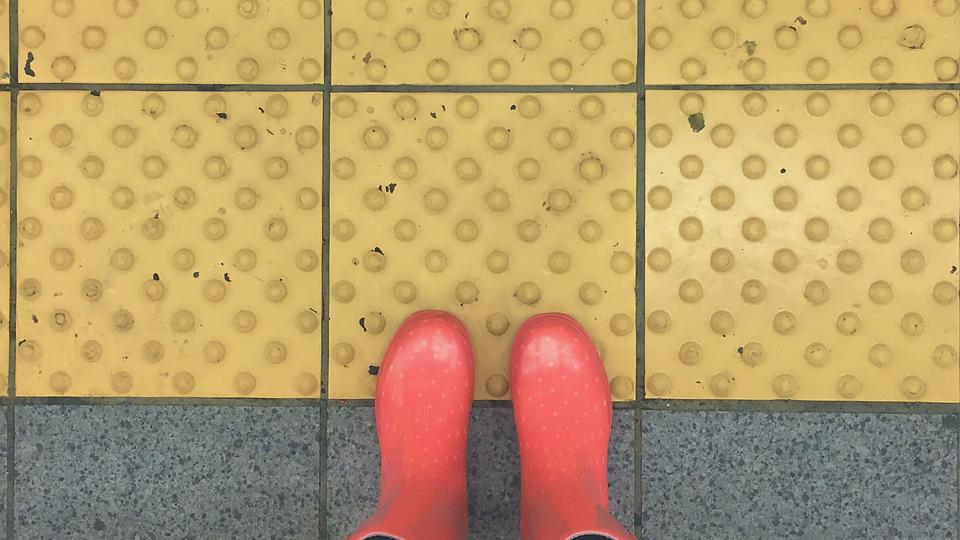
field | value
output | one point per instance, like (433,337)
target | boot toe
(435,337)
(555,371)
(552,341)
(430,355)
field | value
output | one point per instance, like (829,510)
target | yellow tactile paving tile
(169,244)
(4,229)
(801,41)
(484,42)
(494,207)
(802,245)
(173,41)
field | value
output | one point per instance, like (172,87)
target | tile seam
(736,406)
(490,89)
(641,246)
(894,407)
(169,401)
(13,50)
(638,472)
(718,405)
(171,87)
(481,89)
(325,267)
(804,86)
(641,267)
(398,88)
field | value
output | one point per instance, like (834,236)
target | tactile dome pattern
(801,41)
(802,245)
(493,207)
(168,244)
(171,41)
(485,42)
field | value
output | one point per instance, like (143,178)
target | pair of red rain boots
(562,409)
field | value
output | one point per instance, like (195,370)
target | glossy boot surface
(563,409)
(423,399)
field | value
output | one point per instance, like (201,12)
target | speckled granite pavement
(304,470)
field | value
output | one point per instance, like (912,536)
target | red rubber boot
(563,410)
(424,394)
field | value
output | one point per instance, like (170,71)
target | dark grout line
(805,86)
(641,246)
(347,403)
(325,266)
(476,89)
(166,402)
(14,51)
(477,403)
(680,405)
(471,88)
(176,87)
(796,406)
(492,403)
(732,405)
(322,500)
(640,312)
(488,89)
(638,473)
(641,197)
(352,403)
(641,43)
(327,86)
